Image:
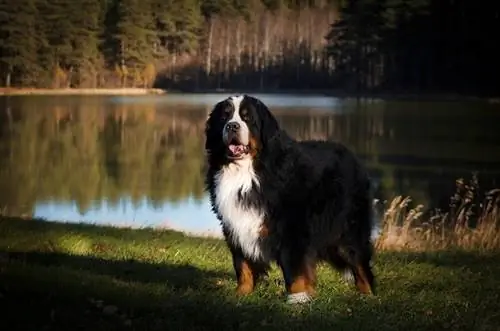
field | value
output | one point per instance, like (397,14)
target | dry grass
(471,223)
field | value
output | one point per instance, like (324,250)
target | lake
(139,161)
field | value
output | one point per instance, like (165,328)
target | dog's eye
(243,113)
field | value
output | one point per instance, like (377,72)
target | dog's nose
(233,126)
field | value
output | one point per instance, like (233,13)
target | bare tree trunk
(281,43)
(122,63)
(69,77)
(197,76)
(298,50)
(256,50)
(264,65)
(7,79)
(238,45)
(208,59)
(94,77)
(312,44)
(245,54)
(173,65)
(134,77)
(227,54)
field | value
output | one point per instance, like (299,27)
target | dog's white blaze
(243,222)
(244,131)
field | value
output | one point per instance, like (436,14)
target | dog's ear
(213,134)
(268,124)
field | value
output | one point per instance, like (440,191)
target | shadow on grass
(60,292)
(57,291)
(38,227)
(54,291)
(178,277)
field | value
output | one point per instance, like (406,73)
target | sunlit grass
(472,222)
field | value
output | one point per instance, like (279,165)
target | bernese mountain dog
(292,202)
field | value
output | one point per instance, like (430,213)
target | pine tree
(58,31)
(164,22)
(210,8)
(187,25)
(85,55)
(136,36)
(19,42)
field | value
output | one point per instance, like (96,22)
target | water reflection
(191,216)
(210,99)
(138,161)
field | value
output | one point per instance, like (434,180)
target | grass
(81,277)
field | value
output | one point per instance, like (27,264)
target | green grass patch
(82,277)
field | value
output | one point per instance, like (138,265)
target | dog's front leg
(247,272)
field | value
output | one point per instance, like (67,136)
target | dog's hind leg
(338,263)
(358,251)
(363,275)
(299,272)
(359,257)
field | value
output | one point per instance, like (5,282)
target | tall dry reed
(472,222)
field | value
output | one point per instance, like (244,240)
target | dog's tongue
(236,149)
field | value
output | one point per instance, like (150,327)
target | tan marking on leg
(299,284)
(305,282)
(246,279)
(362,282)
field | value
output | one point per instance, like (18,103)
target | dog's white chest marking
(243,222)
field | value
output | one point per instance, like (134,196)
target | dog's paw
(244,289)
(348,276)
(301,297)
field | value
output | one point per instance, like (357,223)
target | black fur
(315,194)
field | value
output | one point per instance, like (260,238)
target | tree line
(352,45)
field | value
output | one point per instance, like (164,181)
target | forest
(354,46)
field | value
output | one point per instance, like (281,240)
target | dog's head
(238,128)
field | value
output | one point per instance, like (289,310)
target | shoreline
(388,95)
(81,91)
(137,91)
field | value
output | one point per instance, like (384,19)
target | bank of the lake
(65,276)
(137,91)
(338,93)
(82,91)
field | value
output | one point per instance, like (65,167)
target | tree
(85,55)
(57,30)
(404,45)
(135,36)
(19,44)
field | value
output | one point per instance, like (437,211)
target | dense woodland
(348,45)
